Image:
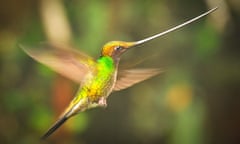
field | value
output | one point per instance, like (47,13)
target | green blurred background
(196,100)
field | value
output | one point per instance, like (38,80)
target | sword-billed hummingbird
(97,78)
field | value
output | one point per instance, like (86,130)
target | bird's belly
(98,87)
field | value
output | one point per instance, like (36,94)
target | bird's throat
(106,62)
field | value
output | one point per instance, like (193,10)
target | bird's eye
(118,48)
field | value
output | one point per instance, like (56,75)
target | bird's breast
(98,85)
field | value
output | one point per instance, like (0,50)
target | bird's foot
(102,102)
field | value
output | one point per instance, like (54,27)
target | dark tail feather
(54,127)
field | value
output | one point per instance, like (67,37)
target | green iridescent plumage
(96,82)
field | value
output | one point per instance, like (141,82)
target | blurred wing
(65,61)
(129,77)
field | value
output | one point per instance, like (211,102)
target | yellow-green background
(195,101)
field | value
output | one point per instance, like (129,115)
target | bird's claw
(102,102)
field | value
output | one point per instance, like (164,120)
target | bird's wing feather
(129,77)
(62,59)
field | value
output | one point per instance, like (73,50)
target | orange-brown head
(115,49)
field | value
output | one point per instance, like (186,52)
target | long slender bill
(131,44)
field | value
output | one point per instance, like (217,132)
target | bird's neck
(107,63)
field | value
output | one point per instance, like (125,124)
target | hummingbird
(98,78)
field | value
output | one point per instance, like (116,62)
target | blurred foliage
(195,101)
